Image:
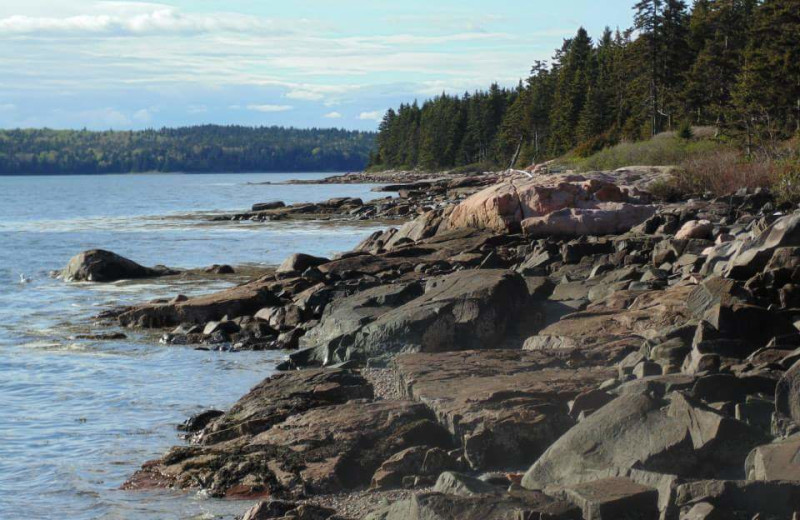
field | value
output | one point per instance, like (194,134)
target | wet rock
(263,206)
(97,265)
(199,421)
(243,300)
(220,269)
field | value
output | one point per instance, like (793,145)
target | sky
(304,63)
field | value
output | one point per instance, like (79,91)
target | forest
(198,149)
(730,64)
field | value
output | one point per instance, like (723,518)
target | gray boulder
(630,431)
(97,265)
(295,264)
(753,255)
(464,310)
(452,483)
(787,394)
(344,316)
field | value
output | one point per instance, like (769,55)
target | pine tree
(770,81)
(676,58)
(647,19)
(572,84)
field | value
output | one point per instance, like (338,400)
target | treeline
(198,149)
(734,64)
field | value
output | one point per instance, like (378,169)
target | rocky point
(549,346)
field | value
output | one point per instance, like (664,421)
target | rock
(514,407)
(773,499)
(721,443)
(645,369)
(264,206)
(606,219)
(97,265)
(219,269)
(777,461)
(703,511)
(280,509)
(395,468)
(199,421)
(787,394)
(460,311)
(345,316)
(695,229)
(437,506)
(295,264)
(753,255)
(243,300)
(505,205)
(630,431)
(296,433)
(451,483)
(614,498)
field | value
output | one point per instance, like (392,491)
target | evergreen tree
(572,84)
(770,82)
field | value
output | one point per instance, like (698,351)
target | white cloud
(333,115)
(198,109)
(305,95)
(158,20)
(143,116)
(375,115)
(8,107)
(270,108)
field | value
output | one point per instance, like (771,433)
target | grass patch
(705,165)
(662,150)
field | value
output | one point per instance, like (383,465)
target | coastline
(549,317)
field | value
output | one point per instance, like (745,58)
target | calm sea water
(77,417)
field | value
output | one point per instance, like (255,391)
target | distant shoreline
(270,172)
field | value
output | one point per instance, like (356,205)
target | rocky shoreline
(556,346)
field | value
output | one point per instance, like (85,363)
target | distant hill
(199,149)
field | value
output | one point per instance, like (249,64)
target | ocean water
(77,417)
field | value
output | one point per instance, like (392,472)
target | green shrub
(685,131)
(787,184)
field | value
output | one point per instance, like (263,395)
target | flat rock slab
(614,498)
(243,300)
(436,506)
(296,433)
(505,406)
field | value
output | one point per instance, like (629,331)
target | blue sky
(323,63)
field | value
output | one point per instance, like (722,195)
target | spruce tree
(647,19)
